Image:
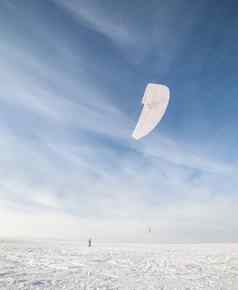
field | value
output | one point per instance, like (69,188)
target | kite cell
(155,101)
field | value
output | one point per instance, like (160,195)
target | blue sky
(72,77)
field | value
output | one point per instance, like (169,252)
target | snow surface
(70,265)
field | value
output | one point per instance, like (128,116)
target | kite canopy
(155,101)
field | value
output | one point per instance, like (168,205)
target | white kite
(155,101)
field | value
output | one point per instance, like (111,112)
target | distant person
(90,242)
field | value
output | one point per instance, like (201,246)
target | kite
(155,102)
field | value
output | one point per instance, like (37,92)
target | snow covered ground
(70,265)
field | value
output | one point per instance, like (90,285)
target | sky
(73,73)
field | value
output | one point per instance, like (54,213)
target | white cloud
(112,25)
